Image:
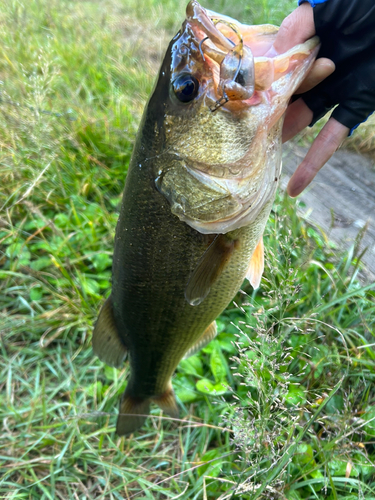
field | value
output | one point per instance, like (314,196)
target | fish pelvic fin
(167,402)
(256,266)
(206,337)
(106,341)
(132,415)
(209,268)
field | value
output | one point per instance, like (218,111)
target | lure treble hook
(237,80)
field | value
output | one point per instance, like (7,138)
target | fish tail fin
(132,415)
(167,402)
(134,411)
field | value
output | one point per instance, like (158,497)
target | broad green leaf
(336,405)
(101,261)
(207,387)
(36,293)
(95,389)
(296,395)
(110,372)
(369,418)
(339,468)
(217,366)
(304,454)
(40,263)
(61,220)
(192,366)
(90,286)
(185,389)
(212,469)
(14,250)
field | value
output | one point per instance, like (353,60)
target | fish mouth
(244,88)
(231,60)
(238,55)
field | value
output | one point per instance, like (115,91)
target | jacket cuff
(313,3)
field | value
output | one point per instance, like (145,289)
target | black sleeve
(347,32)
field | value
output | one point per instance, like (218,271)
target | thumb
(295,29)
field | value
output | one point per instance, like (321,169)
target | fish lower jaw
(222,226)
(243,204)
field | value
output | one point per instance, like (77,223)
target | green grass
(280,405)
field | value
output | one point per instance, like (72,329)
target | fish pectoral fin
(256,267)
(167,402)
(209,268)
(106,341)
(206,337)
(132,415)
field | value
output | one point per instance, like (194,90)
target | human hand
(297,28)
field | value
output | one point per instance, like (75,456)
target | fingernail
(271,52)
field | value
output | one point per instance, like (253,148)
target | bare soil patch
(340,200)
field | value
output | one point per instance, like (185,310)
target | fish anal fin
(206,337)
(209,268)
(167,402)
(106,341)
(256,266)
(132,415)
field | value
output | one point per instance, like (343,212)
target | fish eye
(185,87)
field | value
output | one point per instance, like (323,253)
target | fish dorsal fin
(206,337)
(256,267)
(209,268)
(106,341)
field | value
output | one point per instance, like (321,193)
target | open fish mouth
(229,92)
(235,79)
(239,54)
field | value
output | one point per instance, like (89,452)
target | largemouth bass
(199,190)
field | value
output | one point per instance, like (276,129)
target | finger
(326,143)
(321,69)
(298,116)
(296,28)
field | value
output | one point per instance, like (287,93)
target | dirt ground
(340,200)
